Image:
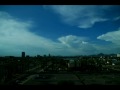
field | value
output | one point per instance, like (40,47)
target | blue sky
(59,29)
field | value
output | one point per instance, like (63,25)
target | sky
(63,30)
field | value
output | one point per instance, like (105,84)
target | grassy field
(77,79)
(54,79)
(97,79)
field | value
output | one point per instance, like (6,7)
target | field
(75,79)
(97,79)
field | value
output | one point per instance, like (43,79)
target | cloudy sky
(59,29)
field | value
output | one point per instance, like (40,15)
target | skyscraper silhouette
(23,54)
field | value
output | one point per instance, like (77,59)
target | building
(71,63)
(118,55)
(23,54)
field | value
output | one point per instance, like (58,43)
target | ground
(73,79)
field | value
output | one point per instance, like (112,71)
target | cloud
(113,37)
(16,36)
(117,18)
(83,16)
(79,45)
(72,41)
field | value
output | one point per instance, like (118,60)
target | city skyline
(59,29)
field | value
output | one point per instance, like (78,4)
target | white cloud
(84,16)
(72,41)
(78,45)
(117,18)
(113,37)
(16,36)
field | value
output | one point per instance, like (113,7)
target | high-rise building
(23,54)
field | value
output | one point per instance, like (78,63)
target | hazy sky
(59,29)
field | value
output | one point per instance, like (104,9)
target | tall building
(23,54)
